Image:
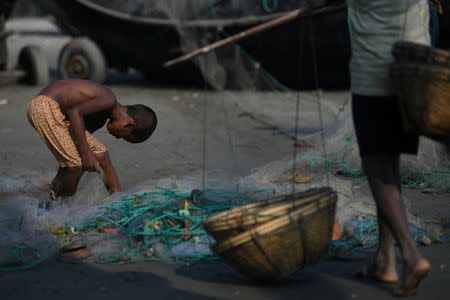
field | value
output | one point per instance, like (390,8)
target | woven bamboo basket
(424,96)
(275,249)
(240,219)
(405,52)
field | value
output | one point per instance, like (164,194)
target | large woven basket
(406,52)
(277,248)
(240,219)
(424,96)
(421,75)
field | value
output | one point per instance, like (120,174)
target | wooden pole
(246,33)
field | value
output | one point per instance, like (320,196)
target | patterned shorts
(46,117)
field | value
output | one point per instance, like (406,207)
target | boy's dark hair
(145,119)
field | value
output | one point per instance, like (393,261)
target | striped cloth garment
(375,26)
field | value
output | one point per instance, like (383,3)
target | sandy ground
(174,151)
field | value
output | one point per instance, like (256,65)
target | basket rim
(234,212)
(268,213)
(420,70)
(267,227)
(403,45)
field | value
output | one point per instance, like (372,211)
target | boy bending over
(67,112)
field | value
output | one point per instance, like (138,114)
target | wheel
(33,61)
(81,58)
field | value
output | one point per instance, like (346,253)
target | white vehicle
(67,56)
(32,47)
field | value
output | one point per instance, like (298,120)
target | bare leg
(383,175)
(383,267)
(56,184)
(385,259)
(66,181)
(110,177)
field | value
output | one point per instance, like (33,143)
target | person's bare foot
(52,195)
(383,269)
(377,274)
(413,275)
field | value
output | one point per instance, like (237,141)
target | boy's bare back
(82,98)
(72,92)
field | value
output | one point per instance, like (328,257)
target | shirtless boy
(67,112)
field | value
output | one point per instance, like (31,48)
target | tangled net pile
(162,224)
(165,224)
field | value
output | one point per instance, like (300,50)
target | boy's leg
(66,181)
(110,177)
(56,183)
(383,175)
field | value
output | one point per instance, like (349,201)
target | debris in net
(362,232)
(433,191)
(303,144)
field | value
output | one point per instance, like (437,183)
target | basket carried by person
(408,52)
(422,79)
(279,247)
(240,219)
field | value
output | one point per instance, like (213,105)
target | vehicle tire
(81,58)
(33,61)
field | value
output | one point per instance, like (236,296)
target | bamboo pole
(301,12)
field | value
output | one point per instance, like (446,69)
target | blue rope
(267,7)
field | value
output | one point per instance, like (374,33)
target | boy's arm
(110,177)
(75,115)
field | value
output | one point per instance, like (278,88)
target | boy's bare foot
(52,195)
(413,275)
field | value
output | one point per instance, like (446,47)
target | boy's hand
(90,162)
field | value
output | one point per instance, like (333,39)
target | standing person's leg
(381,140)
(383,268)
(382,173)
